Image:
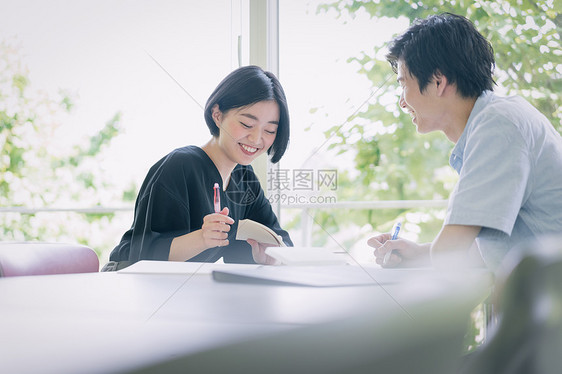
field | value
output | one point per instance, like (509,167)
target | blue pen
(395,232)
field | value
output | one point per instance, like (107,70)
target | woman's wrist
(187,246)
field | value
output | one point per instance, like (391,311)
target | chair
(527,334)
(39,258)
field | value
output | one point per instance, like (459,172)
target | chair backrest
(527,334)
(38,258)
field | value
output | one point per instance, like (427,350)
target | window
(154,62)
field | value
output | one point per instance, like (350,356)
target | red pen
(217,198)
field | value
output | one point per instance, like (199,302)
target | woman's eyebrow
(251,116)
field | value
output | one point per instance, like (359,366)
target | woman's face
(247,132)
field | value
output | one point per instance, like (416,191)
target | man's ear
(216,114)
(440,82)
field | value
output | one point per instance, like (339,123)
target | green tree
(396,163)
(36,169)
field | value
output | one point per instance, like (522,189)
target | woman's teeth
(249,149)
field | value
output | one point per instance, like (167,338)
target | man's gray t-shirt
(509,160)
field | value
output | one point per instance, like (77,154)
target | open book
(248,229)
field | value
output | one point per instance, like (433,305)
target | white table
(164,317)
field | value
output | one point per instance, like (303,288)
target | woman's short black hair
(448,44)
(246,86)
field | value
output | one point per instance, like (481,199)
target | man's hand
(404,252)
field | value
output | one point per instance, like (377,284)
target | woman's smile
(248,149)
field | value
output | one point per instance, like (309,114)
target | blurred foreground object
(527,334)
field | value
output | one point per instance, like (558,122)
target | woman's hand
(404,252)
(215,229)
(213,233)
(258,252)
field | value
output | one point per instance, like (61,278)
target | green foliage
(392,160)
(131,193)
(36,169)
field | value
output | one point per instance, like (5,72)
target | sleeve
(159,218)
(493,179)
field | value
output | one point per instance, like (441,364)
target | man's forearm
(453,241)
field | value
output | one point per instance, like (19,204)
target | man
(507,154)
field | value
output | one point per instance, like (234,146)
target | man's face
(422,107)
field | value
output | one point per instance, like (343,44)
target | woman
(175,218)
